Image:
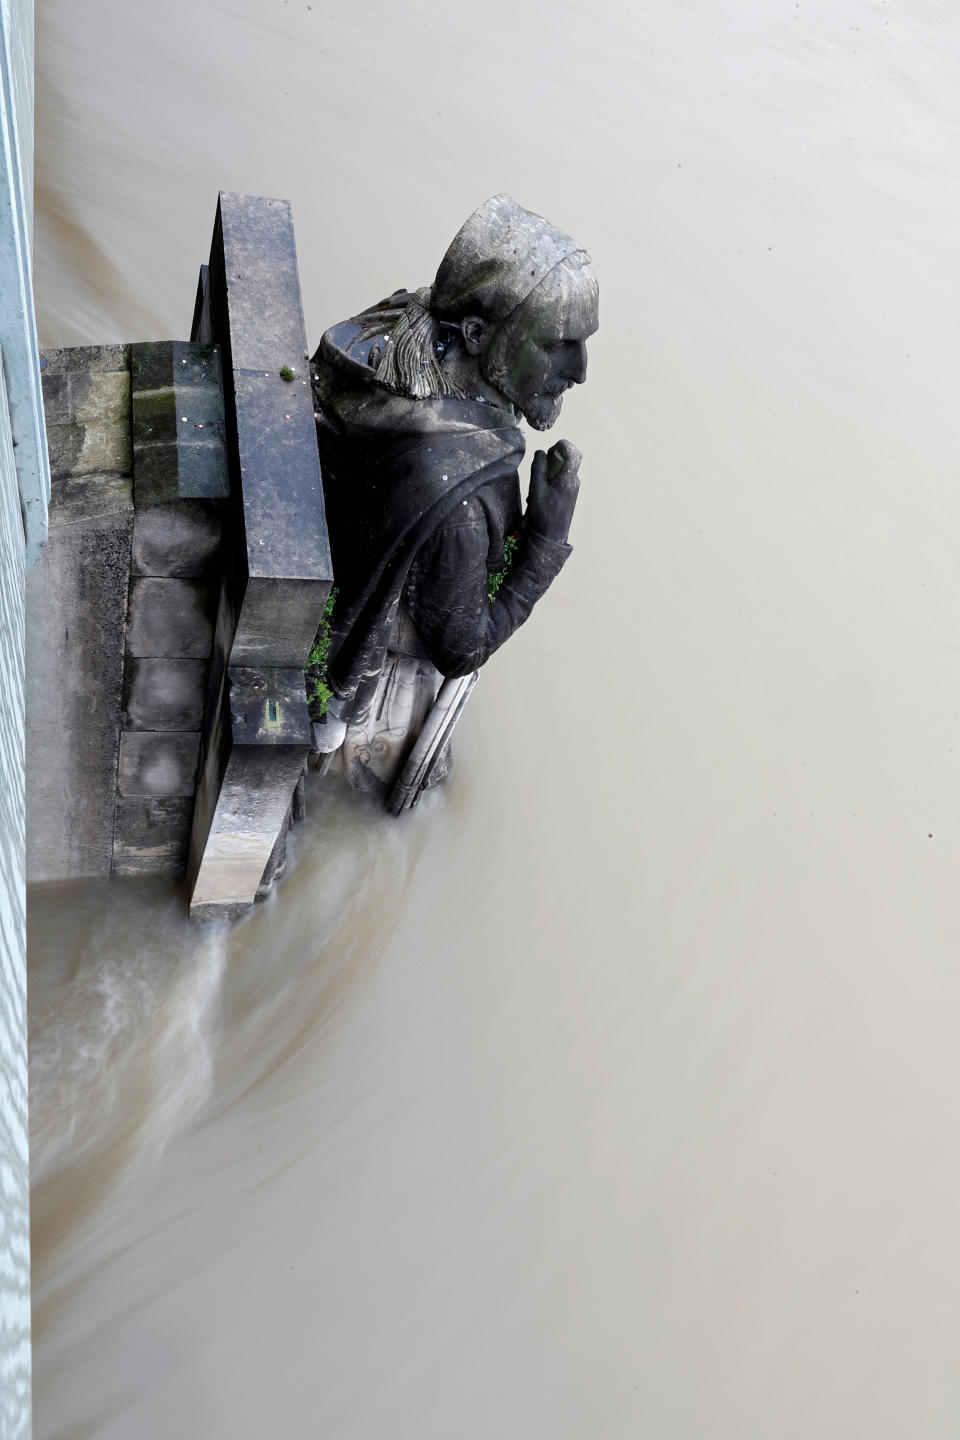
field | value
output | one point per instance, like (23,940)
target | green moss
(319,693)
(286,373)
(495,578)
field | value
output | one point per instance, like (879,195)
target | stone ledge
(64,360)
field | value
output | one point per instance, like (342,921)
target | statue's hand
(554,483)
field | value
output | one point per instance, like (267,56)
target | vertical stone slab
(253,311)
(256,729)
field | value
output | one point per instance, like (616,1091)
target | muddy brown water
(614,1095)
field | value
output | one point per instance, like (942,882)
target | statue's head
(526,302)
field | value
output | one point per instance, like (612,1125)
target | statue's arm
(459,623)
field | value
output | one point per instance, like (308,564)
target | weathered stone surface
(181,539)
(257,733)
(157,763)
(170,618)
(268,707)
(185,468)
(151,835)
(86,395)
(76,606)
(85,497)
(275,624)
(178,422)
(299,811)
(201,464)
(253,803)
(154,416)
(276,864)
(67,360)
(156,475)
(164,694)
(253,310)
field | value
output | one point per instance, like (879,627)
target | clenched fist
(554,483)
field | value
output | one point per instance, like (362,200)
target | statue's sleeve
(459,623)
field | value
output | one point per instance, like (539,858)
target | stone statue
(419,402)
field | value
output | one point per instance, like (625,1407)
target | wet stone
(202,464)
(163,694)
(162,364)
(268,706)
(154,417)
(57,360)
(177,423)
(170,617)
(87,413)
(177,539)
(157,763)
(151,834)
(88,497)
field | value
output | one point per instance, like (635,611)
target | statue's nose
(577,371)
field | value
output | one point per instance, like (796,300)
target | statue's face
(540,350)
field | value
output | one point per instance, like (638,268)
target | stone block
(154,417)
(87,497)
(170,618)
(202,464)
(151,835)
(252,809)
(166,364)
(257,732)
(177,423)
(156,474)
(56,398)
(163,694)
(86,393)
(67,360)
(268,707)
(252,308)
(179,539)
(157,763)
(183,469)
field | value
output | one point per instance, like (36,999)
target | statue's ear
(475,331)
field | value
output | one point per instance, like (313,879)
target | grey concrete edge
(18,328)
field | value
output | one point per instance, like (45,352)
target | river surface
(614,1094)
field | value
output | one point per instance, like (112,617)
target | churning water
(614,1095)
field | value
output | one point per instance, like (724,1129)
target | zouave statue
(419,403)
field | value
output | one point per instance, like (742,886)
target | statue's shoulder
(353,407)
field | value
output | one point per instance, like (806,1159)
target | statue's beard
(540,410)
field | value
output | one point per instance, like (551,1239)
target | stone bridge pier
(171,613)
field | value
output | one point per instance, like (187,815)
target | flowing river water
(613,1094)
